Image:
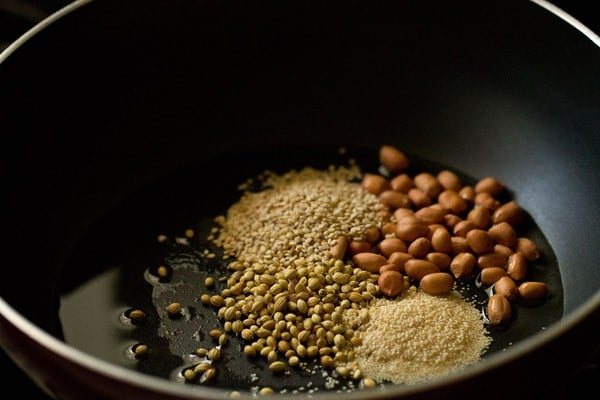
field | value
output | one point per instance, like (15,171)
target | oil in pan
(143,287)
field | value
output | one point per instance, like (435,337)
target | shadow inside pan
(113,270)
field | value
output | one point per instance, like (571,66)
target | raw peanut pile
(436,230)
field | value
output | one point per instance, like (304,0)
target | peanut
(498,309)
(399,258)
(489,185)
(459,245)
(484,199)
(449,180)
(391,245)
(480,216)
(359,246)
(463,227)
(338,250)
(389,267)
(402,183)
(503,233)
(391,283)
(451,220)
(504,250)
(437,283)
(509,212)
(462,265)
(507,287)
(516,267)
(428,184)
(467,193)
(430,215)
(375,184)
(479,241)
(532,292)
(417,269)
(410,228)
(451,200)
(393,159)
(393,199)
(492,259)
(492,274)
(441,241)
(528,248)
(419,247)
(369,261)
(419,198)
(441,260)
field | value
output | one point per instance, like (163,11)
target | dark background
(16,16)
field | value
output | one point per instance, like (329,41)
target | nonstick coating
(117,96)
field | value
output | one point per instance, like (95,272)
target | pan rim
(160,385)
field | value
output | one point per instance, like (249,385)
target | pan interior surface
(167,121)
(123,246)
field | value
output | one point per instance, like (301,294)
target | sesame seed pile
(298,218)
(416,337)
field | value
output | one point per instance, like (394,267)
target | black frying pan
(128,122)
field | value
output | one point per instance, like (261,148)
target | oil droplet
(136,351)
(126,319)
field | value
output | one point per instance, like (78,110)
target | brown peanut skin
(492,274)
(388,228)
(430,215)
(391,245)
(463,227)
(410,228)
(418,198)
(463,265)
(359,246)
(528,248)
(441,241)
(369,261)
(393,199)
(498,309)
(490,185)
(449,180)
(492,259)
(516,267)
(451,200)
(437,283)
(428,184)
(467,193)
(451,220)
(399,258)
(503,233)
(507,287)
(338,250)
(375,184)
(372,235)
(442,260)
(532,292)
(417,269)
(480,216)
(391,283)
(419,247)
(459,245)
(389,267)
(479,241)
(508,212)
(402,183)
(393,159)
(484,199)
